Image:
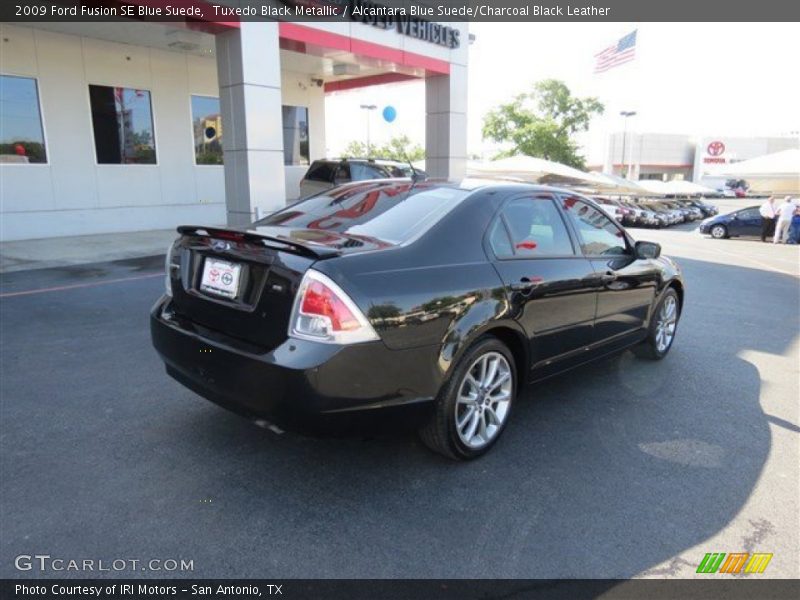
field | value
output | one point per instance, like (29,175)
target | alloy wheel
(718,232)
(484,400)
(666,323)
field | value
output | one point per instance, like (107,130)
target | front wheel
(473,407)
(663,325)
(719,232)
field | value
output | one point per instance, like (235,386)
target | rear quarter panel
(440,290)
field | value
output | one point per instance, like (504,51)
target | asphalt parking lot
(626,468)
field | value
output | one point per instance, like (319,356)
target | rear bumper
(297,383)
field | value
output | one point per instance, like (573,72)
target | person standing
(785,212)
(768,214)
(794,228)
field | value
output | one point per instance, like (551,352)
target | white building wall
(72,194)
(297,90)
(668,154)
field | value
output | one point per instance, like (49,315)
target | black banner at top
(392,12)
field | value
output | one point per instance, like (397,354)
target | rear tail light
(323,312)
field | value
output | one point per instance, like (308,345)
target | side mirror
(647,250)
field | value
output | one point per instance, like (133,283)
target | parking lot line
(60,288)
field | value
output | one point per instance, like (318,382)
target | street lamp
(625,114)
(368,108)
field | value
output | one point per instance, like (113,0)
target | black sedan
(745,221)
(392,295)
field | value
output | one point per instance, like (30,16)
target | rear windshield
(391,212)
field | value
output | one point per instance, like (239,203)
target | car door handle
(608,277)
(526,283)
(604,278)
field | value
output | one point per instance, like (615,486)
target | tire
(660,336)
(719,232)
(483,426)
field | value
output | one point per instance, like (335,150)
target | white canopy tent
(535,170)
(654,187)
(675,187)
(680,187)
(620,185)
(777,173)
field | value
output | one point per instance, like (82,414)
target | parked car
(643,217)
(745,221)
(667,216)
(325,174)
(708,210)
(396,295)
(612,208)
(688,213)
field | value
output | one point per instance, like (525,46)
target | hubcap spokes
(665,326)
(484,399)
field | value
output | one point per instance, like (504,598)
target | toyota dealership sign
(715,153)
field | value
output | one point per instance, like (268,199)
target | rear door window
(530,227)
(749,214)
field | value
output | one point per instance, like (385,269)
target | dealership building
(673,156)
(123,126)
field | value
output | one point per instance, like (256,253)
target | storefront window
(207,125)
(123,125)
(21,132)
(295,135)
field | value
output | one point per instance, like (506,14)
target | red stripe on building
(325,39)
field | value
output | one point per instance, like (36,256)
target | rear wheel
(473,407)
(719,232)
(663,326)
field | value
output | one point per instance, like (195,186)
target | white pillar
(446,122)
(249,72)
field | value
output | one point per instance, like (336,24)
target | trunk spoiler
(237,235)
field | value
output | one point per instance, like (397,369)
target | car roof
(359,159)
(470,184)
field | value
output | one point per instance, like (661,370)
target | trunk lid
(243,282)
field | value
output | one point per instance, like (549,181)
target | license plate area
(221,278)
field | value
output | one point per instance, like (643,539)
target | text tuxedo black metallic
(388,294)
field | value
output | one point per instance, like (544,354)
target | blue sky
(691,78)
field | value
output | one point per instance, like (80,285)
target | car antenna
(414,174)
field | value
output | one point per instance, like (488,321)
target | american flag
(621,52)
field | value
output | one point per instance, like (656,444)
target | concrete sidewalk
(63,251)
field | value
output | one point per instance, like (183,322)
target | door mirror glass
(647,250)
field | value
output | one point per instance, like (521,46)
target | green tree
(542,123)
(399,148)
